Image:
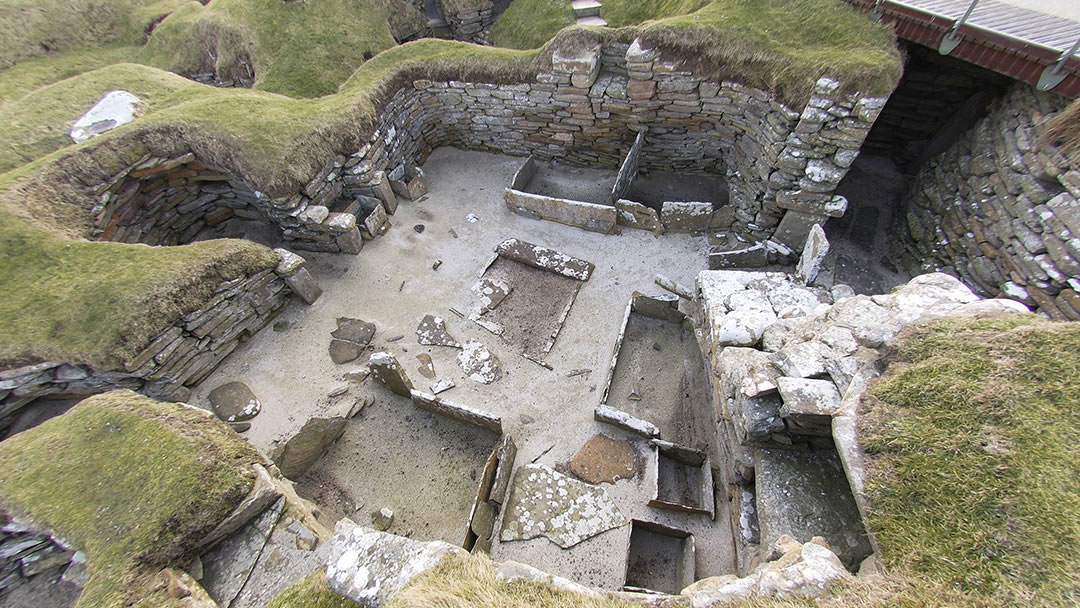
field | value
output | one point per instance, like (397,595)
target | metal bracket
(951,40)
(877,13)
(1055,72)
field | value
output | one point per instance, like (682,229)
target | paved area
(548,412)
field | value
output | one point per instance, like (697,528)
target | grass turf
(101,303)
(132,482)
(973,460)
(529,24)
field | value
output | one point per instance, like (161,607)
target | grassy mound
(300,49)
(33,28)
(132,482)
(101,303)
(529,24)
(779,45)
(460,582)
(974,464)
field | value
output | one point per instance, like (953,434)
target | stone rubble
(432,332)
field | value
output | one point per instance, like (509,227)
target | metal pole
(1055,72)
(951,40)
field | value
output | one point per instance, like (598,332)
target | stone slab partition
(178,358)
(587,109)
(1000,210)
(582,214)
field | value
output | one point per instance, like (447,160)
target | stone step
(806,494)
(591,21)
(586,8)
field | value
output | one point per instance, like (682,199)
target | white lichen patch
(566,511)
(478,363)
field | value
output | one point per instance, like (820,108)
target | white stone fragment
(114,109)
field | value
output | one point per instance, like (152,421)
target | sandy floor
(392,284)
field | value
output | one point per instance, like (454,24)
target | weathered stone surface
(636,215)
(468,415)
(814,252)
(304,285)
(805,495)
(234,402)
(342,351)
(678,216)
(614,417)
(432,332)
(388,372)
(793,569)
(382,519)
(478,363)
(491,293)
(350,339)
(545,259)
(809,397)
(544,502)
(114,109)
(302,450)
(370,567)
(604,460)
(750,256)
(228,566)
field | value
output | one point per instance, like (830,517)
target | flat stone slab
(604,460)
(432,332)
(370,567)
(806,494)
(546,259)
(114,109)
(491,293)
(478,363)
(349,339)
(354,330)
(234,402)
(544,502)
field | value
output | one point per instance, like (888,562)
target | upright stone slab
(388,372)
(291,268)
(815,250)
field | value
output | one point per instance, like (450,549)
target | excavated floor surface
(548,412)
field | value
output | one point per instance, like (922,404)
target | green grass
(974,461)
(38,123)
(24,78)
(300,49)
(32,28)
(530,24)
(312,592)
(132,482)
(101,303)
(619,13)
(456,7)
(780,45)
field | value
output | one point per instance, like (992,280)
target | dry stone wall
(782,164)
(178,358)
(1000,211)
(32,557)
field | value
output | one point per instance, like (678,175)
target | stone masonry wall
(471,26)
(1000,211)
(178,358)
(782,165)
(31,556)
